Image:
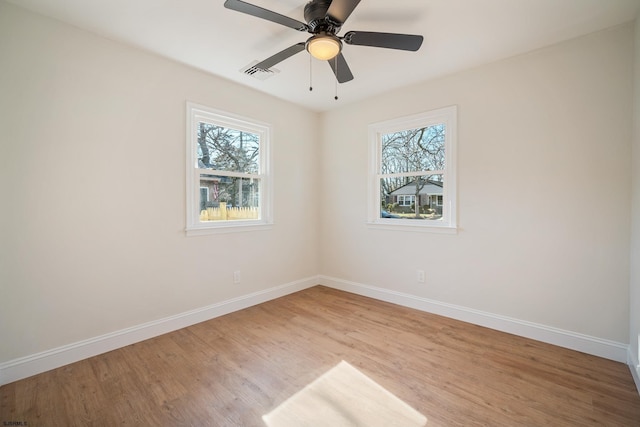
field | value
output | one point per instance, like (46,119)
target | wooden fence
(223,213)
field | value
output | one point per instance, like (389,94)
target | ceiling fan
(324,20)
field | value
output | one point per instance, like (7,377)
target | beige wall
(635,214)
(92,177)
(543,190)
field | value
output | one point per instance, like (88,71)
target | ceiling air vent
(259,73)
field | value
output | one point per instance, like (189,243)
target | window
(406,200)
(412,171)
(435,200)
(228,184)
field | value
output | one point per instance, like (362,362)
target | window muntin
(412,177)
(227,165)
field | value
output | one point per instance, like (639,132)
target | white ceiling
(458,34)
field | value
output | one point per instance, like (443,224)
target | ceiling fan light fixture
(324,46)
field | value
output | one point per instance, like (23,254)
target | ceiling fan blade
(280,56)
(340,68)
(257,11)
(387,40)
(339,10)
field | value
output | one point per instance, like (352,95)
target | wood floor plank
(232,370)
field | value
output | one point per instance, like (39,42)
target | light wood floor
(232,370)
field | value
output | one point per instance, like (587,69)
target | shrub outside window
(412,179)
(228,184)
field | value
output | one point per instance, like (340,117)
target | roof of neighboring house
(430,188)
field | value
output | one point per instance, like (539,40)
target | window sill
(396,225)
(234,227)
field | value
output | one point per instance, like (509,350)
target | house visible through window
(227,171)
(412,176)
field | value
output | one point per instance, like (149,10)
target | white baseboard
(24,367)
(587,344)
(634,367)
(27,366)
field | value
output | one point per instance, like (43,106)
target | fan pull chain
(310,73)
(336,97)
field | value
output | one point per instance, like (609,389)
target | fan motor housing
(315,13)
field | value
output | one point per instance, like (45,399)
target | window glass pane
(412,197)
(229,198)
(413,150)
(226,149)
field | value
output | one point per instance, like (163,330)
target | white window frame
(199,113)
(448,222)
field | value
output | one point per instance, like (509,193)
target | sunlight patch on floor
(344,397)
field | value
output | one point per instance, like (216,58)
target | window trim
(448,224)
(197,113)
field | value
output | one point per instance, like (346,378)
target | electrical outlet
(236,276)
(420,276)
